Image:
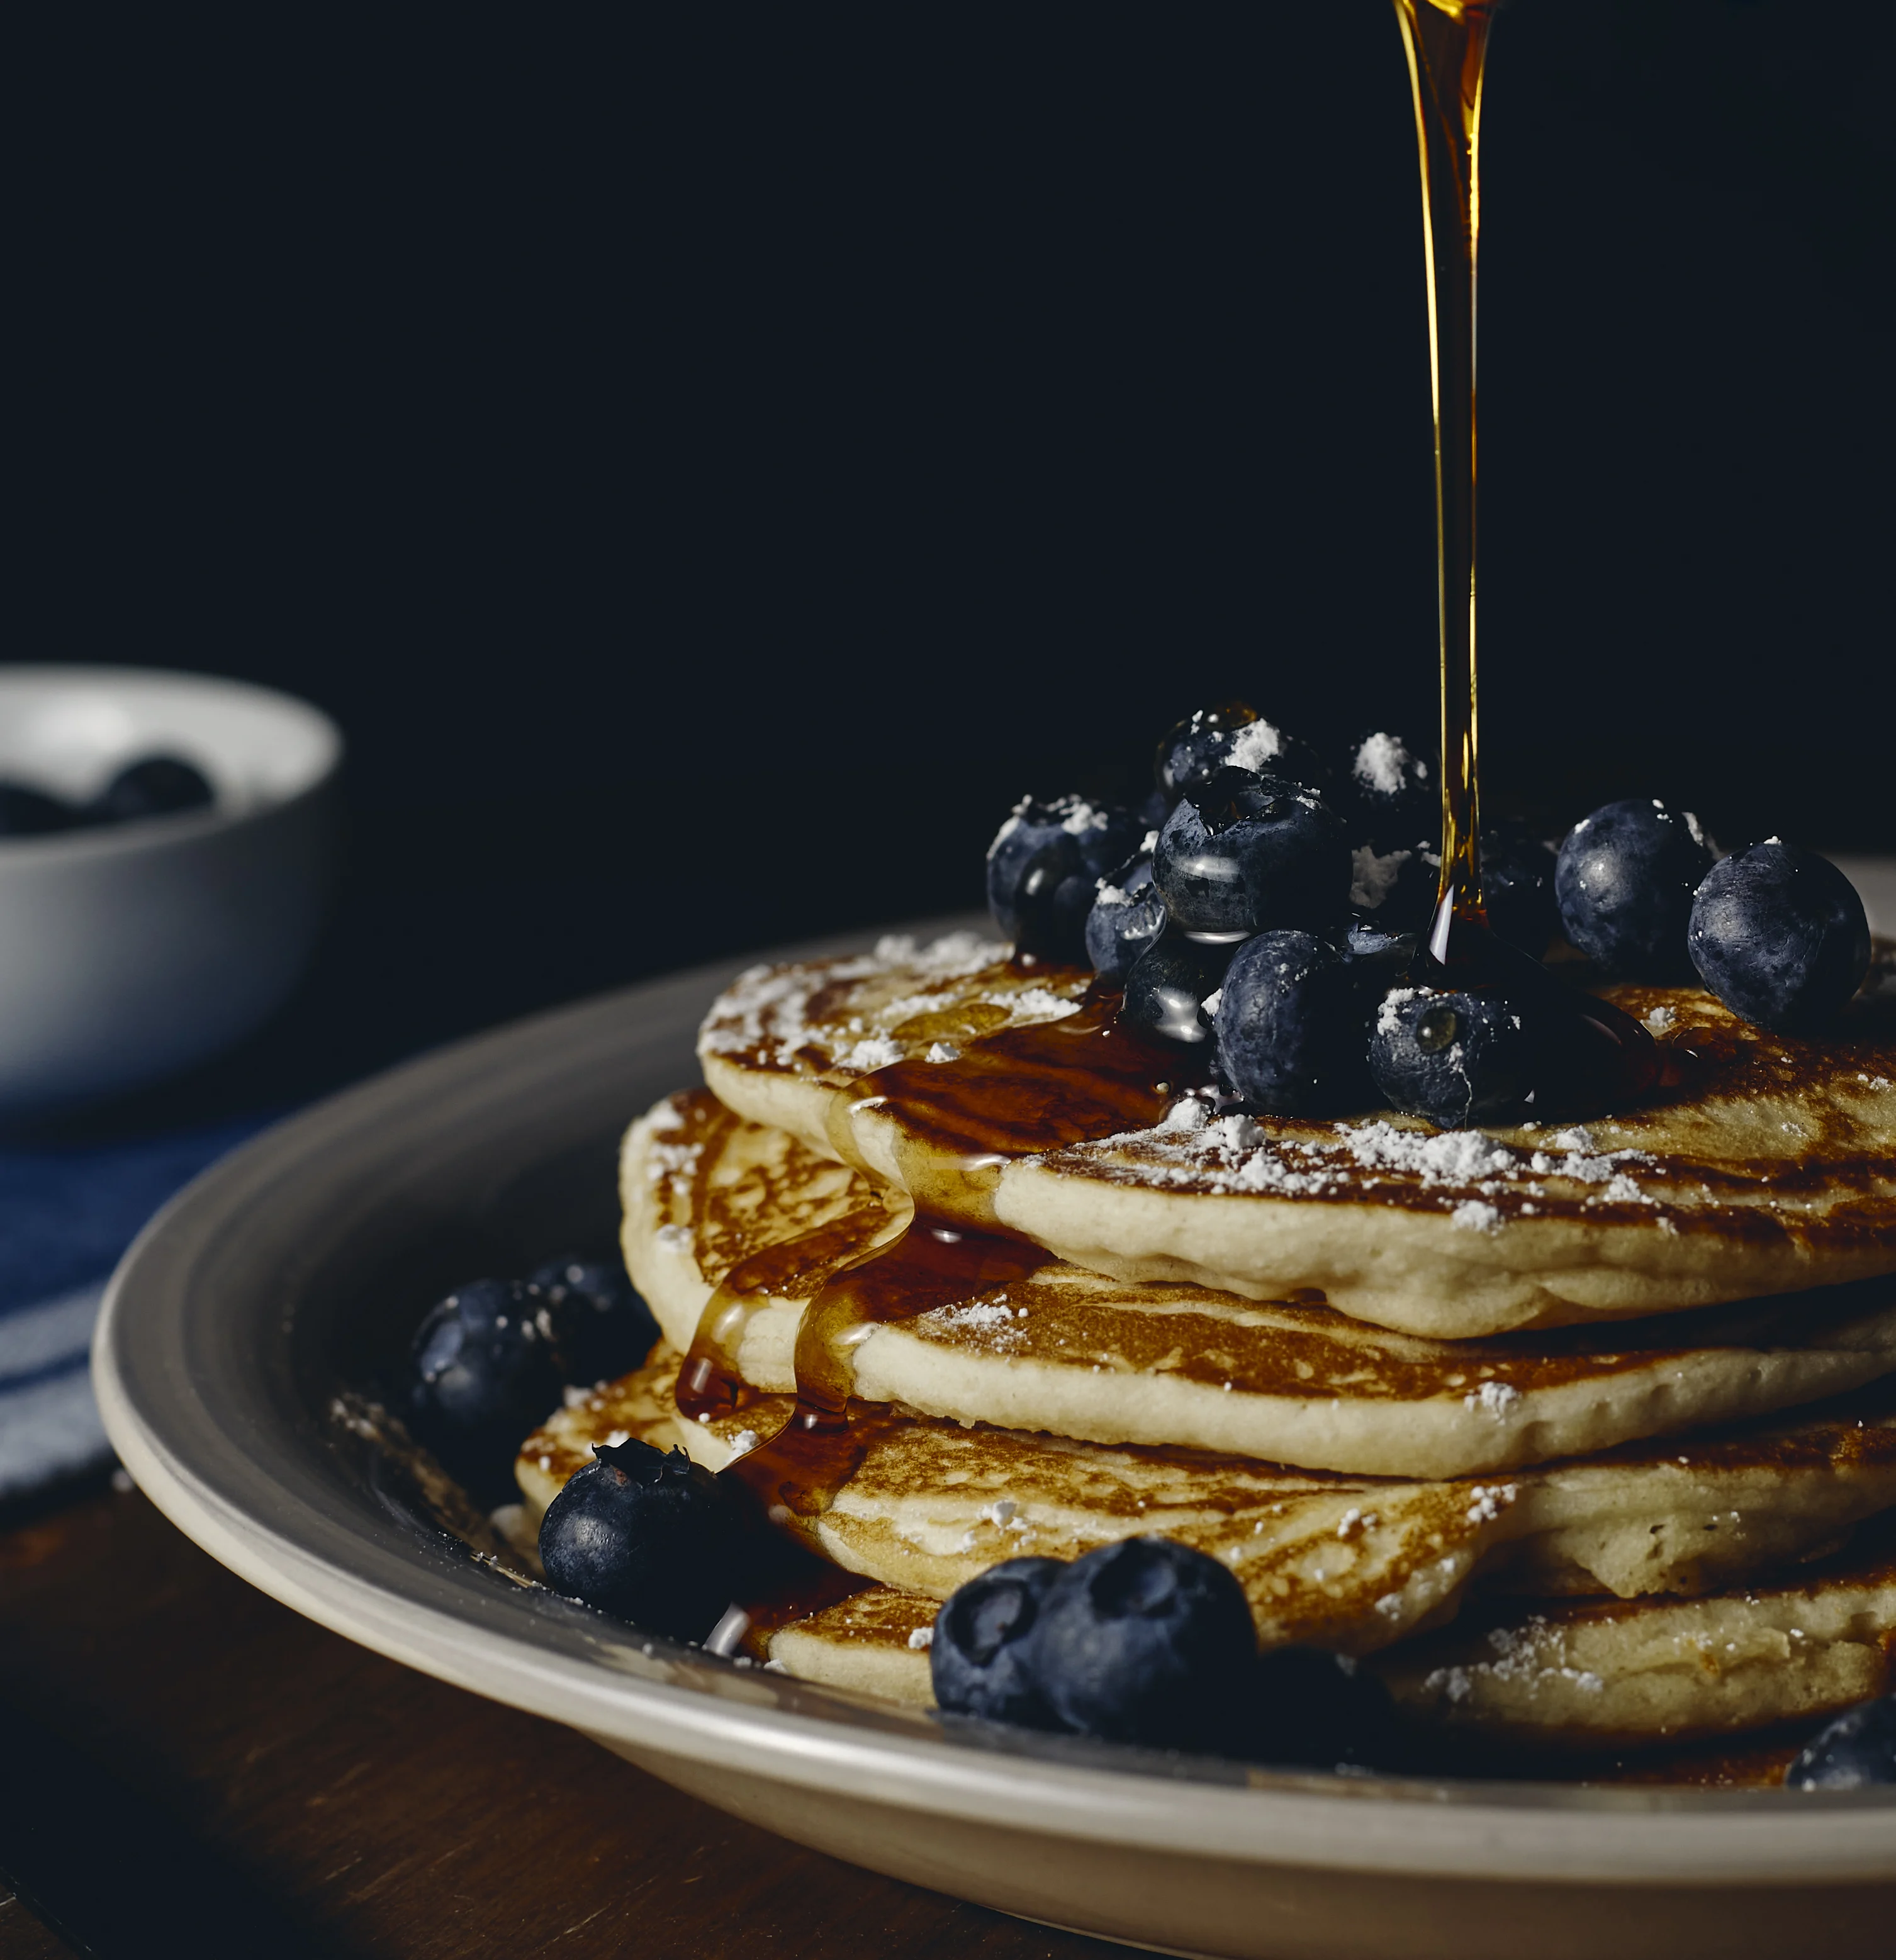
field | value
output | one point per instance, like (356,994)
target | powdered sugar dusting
(1256,744)
(1479,1181)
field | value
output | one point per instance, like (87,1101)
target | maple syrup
(1613,1058)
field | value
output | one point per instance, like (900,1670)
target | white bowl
(302,1261)
(130,952)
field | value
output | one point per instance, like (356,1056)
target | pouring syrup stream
(1446,43)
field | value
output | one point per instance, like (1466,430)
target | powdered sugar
(1383,765)
(1371,879)
(1256,744)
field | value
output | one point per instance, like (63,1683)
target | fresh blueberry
(153,786)
(1624,882)
(1127,915)
(1517,886)
(980,1658)
(1145,1640)
(1293,1022)
(1244,852)
(1387,792)
(1308,1706)
(1780,935)
(29,813)
(1397,887)
(1232,734)
(1168,985)
(1457,1058)
(487,1368)
(1043,867)
(601,1328)
(1856,1752)
(652,1537)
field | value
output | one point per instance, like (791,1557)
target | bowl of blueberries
(164,846)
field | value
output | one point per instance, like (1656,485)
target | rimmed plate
(275,1281)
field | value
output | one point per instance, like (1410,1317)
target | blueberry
(1780,935)
(1043,866)
(652,1537)
(153,786)
(1457,1058)
(1168,985)
(1853,1753)
(28,812)
(1308,1706)
(1233,733)
(601,1327)
(1624,881)
(1388,792)
(1246,853)
(486,1370)
(1127,915)
(1293,1022)
(1144,1641)
(1517,886)
(1397,887)
(980,1657)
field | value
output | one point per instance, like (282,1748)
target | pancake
(1597,1675)
(876,1642)
(711,1200)
(1769,1168)
(1353,1564)
(1584,1676)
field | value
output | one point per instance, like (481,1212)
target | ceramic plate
(278,1278)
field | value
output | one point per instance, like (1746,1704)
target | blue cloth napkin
(67,1212)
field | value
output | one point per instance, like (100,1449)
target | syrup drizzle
(1021,1090)
(1446,43)
(1011,1094)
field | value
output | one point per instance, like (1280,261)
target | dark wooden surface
(389,1815)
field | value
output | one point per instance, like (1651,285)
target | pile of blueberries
(1269,900)
(153,786)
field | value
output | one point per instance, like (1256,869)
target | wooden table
(388,1814)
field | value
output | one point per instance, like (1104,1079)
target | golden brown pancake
(1350,1564)
(713,1200)
(1600,1674)
(1771,1168)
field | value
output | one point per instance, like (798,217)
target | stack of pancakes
(1579,1436)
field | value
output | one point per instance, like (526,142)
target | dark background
(712,465)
